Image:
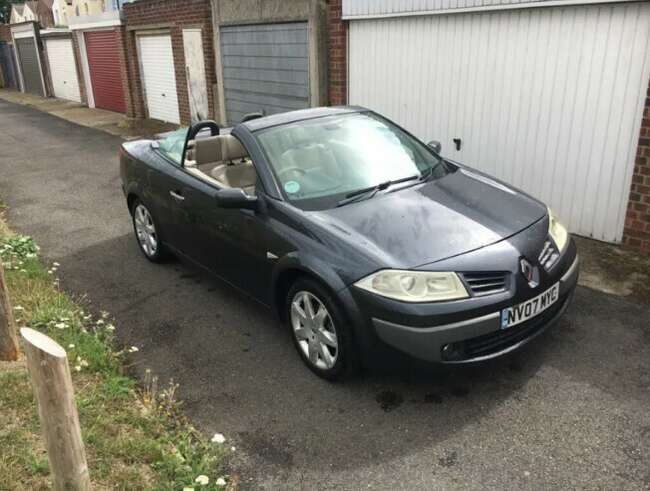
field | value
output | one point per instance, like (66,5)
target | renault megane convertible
(361,237)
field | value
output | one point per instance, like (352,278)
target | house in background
(61,11)
(17,13)
(91,7)
(33,11)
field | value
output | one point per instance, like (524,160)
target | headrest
(232,149)
(208,150)
(220,148)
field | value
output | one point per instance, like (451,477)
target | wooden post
(8,338)
(47,363)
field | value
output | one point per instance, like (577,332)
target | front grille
(504,338)
(549,255)
(486,283)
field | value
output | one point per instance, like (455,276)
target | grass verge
(135,437)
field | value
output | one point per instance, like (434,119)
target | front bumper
(475,338)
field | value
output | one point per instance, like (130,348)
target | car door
(228,242)
(163,180)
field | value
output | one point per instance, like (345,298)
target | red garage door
(105,70)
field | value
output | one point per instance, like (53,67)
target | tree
(5,10)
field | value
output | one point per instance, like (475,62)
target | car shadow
(239,374)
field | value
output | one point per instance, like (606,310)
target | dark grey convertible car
(362,238)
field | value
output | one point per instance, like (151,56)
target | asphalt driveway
(571,411)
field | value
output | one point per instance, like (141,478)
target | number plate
(527,310)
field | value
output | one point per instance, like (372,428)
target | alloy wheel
(314,330)
(145,230)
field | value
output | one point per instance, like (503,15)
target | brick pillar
(337,54)
(637,220)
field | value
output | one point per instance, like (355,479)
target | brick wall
(5,33)
(637,220)
(171,15)
(337,54)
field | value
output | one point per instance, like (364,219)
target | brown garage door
(105,70)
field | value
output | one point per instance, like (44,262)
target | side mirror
(435,146)
(236,198)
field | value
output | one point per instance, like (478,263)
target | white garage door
(158,77)
(63,70)
(548,99)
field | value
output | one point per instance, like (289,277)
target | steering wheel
(297,170)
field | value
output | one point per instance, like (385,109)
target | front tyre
(146,232)
(319,330)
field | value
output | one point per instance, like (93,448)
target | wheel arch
(294,266)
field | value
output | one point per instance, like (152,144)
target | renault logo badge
(530,272)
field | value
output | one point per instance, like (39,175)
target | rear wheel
(320,332)
(146,232)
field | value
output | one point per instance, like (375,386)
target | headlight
(414,286)
(557,231)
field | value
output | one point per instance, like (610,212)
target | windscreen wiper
(369,192)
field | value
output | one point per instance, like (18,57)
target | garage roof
(361,9)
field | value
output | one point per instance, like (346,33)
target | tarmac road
(570,411)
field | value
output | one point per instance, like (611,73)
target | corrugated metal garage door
(265,68)
(104,66)
(29,65)
(548,99)
(159,77)
(63,70)
(8,66)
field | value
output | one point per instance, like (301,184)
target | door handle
(176,196)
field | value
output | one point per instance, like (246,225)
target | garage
(265,68)
(105,70)
(159,77)
(549,99)
(63,69)
(8,66)
(30,65)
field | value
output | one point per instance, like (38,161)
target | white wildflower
(218,438)
(220,481)
(56,264)
(110,327)
(187,488)
(83,363)
(18,307)
(100,322)
(77,368)
(49,271)
(60,325)
(232,449)
(71,346)
(133,349)
(203,480)
(23,271)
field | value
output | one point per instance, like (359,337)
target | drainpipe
(218,94)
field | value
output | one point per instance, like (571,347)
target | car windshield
(171,145)
(320,162)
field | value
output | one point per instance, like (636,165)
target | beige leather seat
(224,159)
(306,154)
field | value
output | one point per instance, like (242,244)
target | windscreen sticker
(291,187)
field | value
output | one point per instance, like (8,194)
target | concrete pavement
(571,411)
